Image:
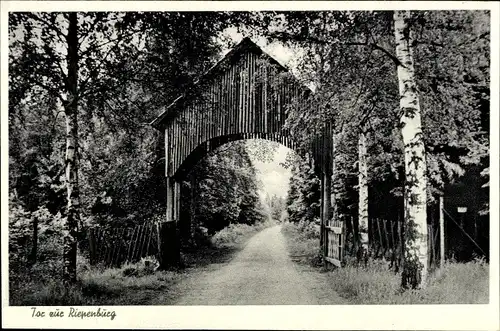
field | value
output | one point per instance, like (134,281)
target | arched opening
(232,184)
(247,95)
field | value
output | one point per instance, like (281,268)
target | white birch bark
(415,265)
(363,191)
(71,159)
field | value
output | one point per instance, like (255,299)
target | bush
(303,242)
(20,234)
(309,230)
(50,235)
(146,266)
(235,234)
(231,235)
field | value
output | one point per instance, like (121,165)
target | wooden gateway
(246,95)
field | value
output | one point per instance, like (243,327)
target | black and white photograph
(221,157)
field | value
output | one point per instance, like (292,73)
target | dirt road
(261,274)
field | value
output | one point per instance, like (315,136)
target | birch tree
(415,264)
(358,67)
(363,190)
(71,159)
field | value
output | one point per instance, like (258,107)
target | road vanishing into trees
(260,274)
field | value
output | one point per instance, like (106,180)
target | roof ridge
(245,43)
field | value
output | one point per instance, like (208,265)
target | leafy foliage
(129,66)
(277,206)
(224,189)
(303,200)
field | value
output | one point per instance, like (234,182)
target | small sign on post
(441,231)
(462,210)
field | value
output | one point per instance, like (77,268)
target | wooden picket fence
(385,237)
(114,247)
(386,240)
(334,243)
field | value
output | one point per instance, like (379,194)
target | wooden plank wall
(241,102)
(248,98)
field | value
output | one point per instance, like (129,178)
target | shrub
(146,266)
(303,242)
(231,235)
(310,230)
(20,234)
(235,234)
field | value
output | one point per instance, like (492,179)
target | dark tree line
(82,89)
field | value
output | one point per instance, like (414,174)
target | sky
(273,176)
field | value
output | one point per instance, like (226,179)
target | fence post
(169,248)
(441,231)
(386,235)
(34,247)
(322,218)
(92,257)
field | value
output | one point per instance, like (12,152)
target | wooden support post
(178,195)
(327,202)
(168,245)
(333,202)
(321,216)
(92,247)
(326,208)
(170,199)
(441,231)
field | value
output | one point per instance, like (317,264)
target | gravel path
(261,274)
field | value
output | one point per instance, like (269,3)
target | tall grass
(131,284)
(303,243)
(455,283)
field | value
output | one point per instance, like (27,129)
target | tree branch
(49,25)
(90,29)
(119,39)
(97,70)
(50,90)
(389,54)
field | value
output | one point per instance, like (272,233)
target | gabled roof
(245,45)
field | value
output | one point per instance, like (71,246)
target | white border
(425,317)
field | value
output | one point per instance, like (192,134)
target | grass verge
(131,284)
(455,283)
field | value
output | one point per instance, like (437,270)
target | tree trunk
(34,247)
(333,194)
(71,112)
(415,265)
(441,231)
(363,193)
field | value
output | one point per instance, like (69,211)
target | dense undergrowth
(455,283)
(131,284)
